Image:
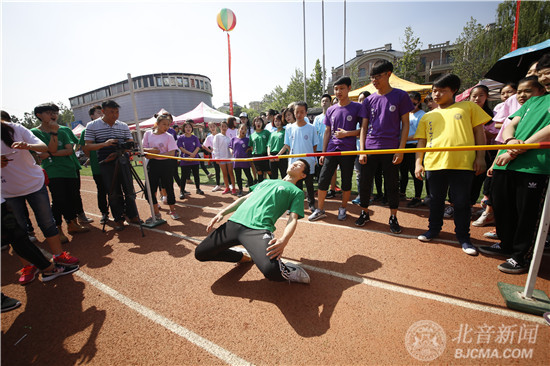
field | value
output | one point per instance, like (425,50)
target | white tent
(148,123)
(203,113)
(78,130)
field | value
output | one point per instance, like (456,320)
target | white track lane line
(391,287)
(150,314)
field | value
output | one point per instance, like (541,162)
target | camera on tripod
(126,145)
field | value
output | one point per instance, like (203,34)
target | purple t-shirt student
(384,114)
(345,118)
(239,147)
(189,144)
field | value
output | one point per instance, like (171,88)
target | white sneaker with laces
(297,273)
(486,218)
(469,249)
(216,188)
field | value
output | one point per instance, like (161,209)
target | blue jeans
(460,182)
(40,205)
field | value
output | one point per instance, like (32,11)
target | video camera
(127,145)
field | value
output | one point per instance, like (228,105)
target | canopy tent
(148,123)
(395,82)
(203,113)
(78,130)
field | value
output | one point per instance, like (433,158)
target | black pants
(101,194)
(309,187)
(329,167)
(65,194)
(278,166)
(517,203)
(391,179)
(407,167)
(120,188)
(239,177)
(14,234)
(79,208)
(215,247)
(459,184)
(217,173)
(186,172)
(161,171)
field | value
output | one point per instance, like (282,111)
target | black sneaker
(182,196)
(240,194)
(331,193)
(512,267)
(9,303)
(59,270)
(312,208)
(495,250)
(415,202)
(362,219)
(394,225)
(199,191)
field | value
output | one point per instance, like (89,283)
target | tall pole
(344,71)
(229,62)
(138,130)
(304,21)
(323,27)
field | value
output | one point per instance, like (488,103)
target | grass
(204,180)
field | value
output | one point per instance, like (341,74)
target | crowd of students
(513,181)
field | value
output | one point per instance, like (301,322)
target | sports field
(374,298)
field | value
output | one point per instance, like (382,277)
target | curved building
(178,93)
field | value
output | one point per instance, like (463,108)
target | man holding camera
(108,136)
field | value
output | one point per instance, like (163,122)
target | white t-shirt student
(22,176)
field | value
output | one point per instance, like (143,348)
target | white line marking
(150,314)
(395,288)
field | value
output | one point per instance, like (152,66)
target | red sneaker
(233,191)
(226,191)
(28,274)
(65,258)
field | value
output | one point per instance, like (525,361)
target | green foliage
(407,66)
(66,115)
(479,47)
(280,98)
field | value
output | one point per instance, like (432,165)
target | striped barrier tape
(539,145)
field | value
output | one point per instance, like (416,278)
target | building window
(145,82)
(151,81)
(101,94)
(137,83)
(192,83)
(87,98)
(166,80)
(207,85)
(125,86)
(79,100)
(159,81)
(172,81)
(186,82)
(202,84)
(197,85)
(74,102)
(179,81)
(362,72)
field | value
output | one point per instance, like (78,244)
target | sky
(52,51)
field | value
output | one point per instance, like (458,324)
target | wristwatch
(53,133)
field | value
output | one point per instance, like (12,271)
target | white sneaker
(216,188)
(485,219)
(317,215)
(164,200)
(296,274)
(469,249)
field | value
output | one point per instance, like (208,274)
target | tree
(478,47)
(407,66)
(315,86)
(29,120)
(472,57)
(353,73)
(251,113)
(66,115)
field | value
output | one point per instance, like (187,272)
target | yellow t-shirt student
(451,126)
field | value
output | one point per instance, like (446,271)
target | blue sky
(55,50)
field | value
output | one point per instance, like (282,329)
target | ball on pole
(227,20)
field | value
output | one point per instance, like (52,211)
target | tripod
(121,160)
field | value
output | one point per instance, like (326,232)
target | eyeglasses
(377,76)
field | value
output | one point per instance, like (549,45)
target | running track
(147,301)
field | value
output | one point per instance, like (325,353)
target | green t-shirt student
(75,141)
(94,162)
(535,115)
(258,141)
(276,141)
(269,201)
(58,166)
